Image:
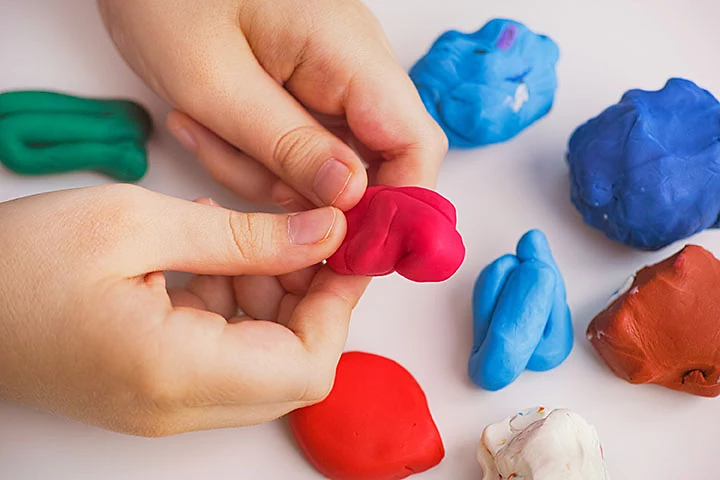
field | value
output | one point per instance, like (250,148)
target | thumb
(160,232)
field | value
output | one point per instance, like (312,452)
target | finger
(259,296)
(289,199)
(181,298)
(409,140)
(287,307)
(220,294)
(298,282)
(245,106)
(242,361)
(146,232)
(259,362)
(360,78)
(216,293)
(212,293)
(371,159)
(241,318)
(303,370)
(231,168)
(322,318)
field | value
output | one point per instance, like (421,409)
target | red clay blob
(666,328)
(374,425)
(410,230)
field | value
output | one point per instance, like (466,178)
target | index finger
(385,113)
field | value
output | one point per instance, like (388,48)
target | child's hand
(273,79)
(88,329)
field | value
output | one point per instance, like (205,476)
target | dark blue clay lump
(646,171)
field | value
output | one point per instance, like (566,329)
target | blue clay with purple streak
(646,171)
(488,86)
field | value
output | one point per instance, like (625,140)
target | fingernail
(312,226)
(331,180)
(185,138)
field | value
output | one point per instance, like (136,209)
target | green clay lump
(45,132)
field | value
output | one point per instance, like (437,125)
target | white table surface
(500,192)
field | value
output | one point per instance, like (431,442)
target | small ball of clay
(409,230)
(45,132)
(486,87)
(645,171)
(537,444)
(665,327)
(374,425)
(521,319)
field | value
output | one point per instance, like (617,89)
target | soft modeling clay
(537,444)
(520,316)
(45,132)
(486,87)
(663,327)
(646,171)
(410,230)
(374,425)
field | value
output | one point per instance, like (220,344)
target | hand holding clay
(520,316)
(45,132)
(488,86)
(374,425)
(89,329)
(277,96)
(410,230)
(645,171)
(538,444)
(664,326)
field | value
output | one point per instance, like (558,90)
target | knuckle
(281,54)
(250,235)
(295,149)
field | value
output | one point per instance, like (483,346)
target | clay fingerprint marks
(665,329)
(374,425)
(542,444)
(645,171)
(408,230)
(46,132)
(487,86)
(520,316)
